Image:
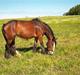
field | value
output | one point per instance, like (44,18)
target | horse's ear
(36,19)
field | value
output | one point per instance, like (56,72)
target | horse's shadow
(27,49)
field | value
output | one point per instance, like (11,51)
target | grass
(64,61)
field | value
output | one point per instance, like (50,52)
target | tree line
(74,10)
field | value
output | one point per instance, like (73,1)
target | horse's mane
(45,24)
(50,31)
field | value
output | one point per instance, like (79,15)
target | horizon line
(34,16)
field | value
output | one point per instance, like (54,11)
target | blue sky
(23,8)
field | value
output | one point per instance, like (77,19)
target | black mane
(36,19)
(50,31)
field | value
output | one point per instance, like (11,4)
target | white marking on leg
(18,54)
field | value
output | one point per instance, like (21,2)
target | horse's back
(25,29)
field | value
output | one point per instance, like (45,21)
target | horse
(34,28)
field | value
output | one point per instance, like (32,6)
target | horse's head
(51,46)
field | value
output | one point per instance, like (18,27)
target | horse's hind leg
(10,48)
(7,51)
(13,50)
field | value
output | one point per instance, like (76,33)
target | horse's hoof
(7,55)
(50,52)
(34,50)
(18,54)
(43,52)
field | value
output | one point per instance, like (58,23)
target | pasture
(64,61)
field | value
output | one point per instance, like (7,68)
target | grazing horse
(34,28)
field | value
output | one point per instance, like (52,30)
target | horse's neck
(49,36)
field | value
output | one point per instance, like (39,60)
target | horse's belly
(26,35)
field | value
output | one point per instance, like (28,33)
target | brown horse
(34,28)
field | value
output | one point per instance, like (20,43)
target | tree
(74,10)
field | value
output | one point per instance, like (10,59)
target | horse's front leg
(35,45)
(42,45)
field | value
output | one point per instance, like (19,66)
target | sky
(34,8)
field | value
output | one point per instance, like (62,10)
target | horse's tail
(10,25)
(3,31)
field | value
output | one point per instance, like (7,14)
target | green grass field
(64,61)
